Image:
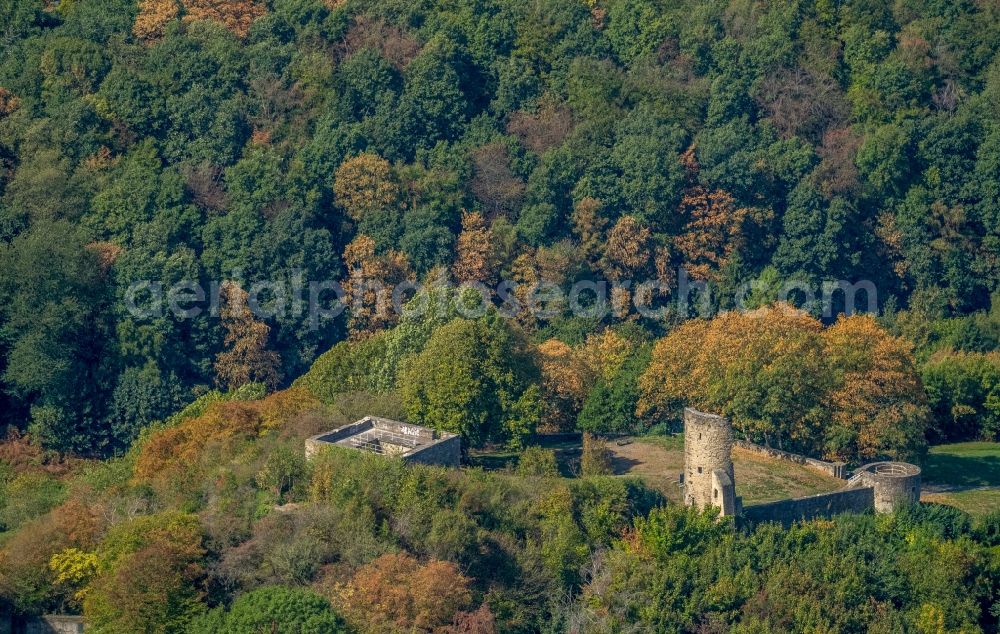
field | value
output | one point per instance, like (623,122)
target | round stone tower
(896,484)
(708,444)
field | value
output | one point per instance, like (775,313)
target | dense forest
(184,184)
(236,142)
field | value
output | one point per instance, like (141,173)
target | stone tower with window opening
(708,465)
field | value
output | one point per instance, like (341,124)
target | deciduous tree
(878,408)
(236,15)
(246,358)
(475,259)
(477,378)
(369,287)
(366,184)
(398,591)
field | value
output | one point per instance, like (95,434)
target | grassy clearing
(974,502)
(967,464)
(763,479)
(660,459)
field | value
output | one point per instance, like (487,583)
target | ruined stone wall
(317,442)
(835,469)
(54,624)
(724,494)
(708,443)
(422,434)
(824,505)
(446,452)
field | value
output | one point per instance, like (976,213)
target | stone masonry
(709,480)
(411,443)
(708,465)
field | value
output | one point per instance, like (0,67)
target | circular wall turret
(896,484)
(708,444)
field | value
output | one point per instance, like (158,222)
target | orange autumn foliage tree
(369,286)
(627,250)
(849,392)
(879,408)
(154,16)
(236,15)
(398,593)
(246,358)
(475,259)
(763,369)
(8,102)
(715,226)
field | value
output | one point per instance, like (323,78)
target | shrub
(178,450)
(596,458)
(28,496)
(537,461)
(272,610)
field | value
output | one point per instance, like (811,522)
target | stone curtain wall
(446,453)
(835,469)
(824,505)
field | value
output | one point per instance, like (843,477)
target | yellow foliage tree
(74,568)
(365,183)
(764,370)
(566,379)
(236,15)
(475,259)
(879,408)
(369,286)
(246,358)
(849,392)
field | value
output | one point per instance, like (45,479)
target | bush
(536,461)
(596,458)
(28,496)
(272,610)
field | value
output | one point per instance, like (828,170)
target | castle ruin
(385,437)
(708,477)
(709,480)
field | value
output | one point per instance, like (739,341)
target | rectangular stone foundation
(411,443)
